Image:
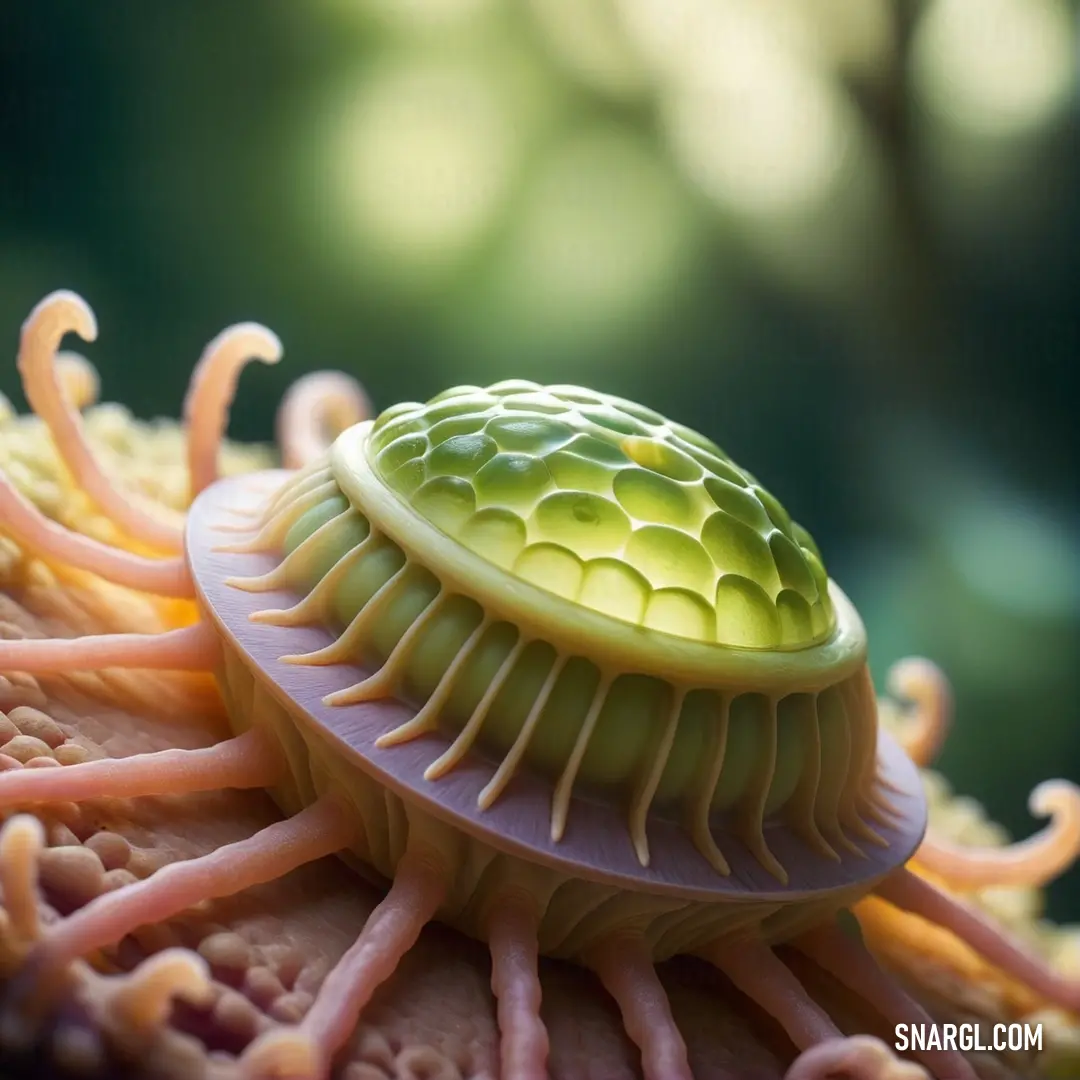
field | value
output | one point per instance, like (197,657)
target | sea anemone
(265,952)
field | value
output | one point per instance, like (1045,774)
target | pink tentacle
(852,964)
(248,761)
(58,314)
(858,1057)
(211,390)
(1030,863)
(22,521)
(625,966)
(305,1051)
(321,829)
(923,683)
(192,648)
(911,893)
(316,409)
(512,937)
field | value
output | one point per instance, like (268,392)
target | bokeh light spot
(421,160)
(994,67)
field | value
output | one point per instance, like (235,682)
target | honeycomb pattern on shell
(610,505)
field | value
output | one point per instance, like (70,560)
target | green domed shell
(589,593)
(611,506)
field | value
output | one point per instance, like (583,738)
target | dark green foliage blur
(842,250)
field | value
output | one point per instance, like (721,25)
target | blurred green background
(841,237)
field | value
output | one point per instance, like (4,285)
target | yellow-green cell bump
(608,504)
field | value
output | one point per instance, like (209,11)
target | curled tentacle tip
(22,840)
(923,684)
(1054,797)
(21,833)
(255,340)
(316,409)
(215,375)
(75,313)
(913,672)
(144,998)
(284,1053)
(858,1057)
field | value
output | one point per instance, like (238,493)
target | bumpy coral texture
(270,947)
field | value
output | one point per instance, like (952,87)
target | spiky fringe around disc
(723,756)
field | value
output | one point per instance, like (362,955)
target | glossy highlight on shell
(388,603)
